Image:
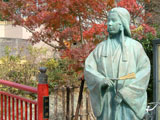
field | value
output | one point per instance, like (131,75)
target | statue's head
(119,20)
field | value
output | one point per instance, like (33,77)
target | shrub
(24,69)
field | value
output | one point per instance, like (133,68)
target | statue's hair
(124,17)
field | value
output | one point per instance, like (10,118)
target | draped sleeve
(95,80)
(134,94)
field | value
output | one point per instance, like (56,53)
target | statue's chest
(109,65)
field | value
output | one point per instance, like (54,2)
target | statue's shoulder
(133,43)
(99,47)
(101,44)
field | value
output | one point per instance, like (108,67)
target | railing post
(43,95)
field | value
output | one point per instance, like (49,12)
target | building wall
(9,31)
(16,37)
(14,44)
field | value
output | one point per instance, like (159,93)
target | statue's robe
(130,100)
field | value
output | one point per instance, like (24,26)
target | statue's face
(114,23)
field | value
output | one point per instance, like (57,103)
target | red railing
(19,86)
(14,107)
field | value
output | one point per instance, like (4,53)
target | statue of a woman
(118,56)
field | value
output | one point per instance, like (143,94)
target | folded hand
(109,82)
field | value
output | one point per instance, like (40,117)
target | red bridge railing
(14,107)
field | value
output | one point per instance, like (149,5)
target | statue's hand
(108,82)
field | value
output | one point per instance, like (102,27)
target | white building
(16,37)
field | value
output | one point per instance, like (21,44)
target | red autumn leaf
(79,23)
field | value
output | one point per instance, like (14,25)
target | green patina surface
(118,56)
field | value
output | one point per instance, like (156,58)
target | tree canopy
(73,27)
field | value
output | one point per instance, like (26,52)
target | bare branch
(54,46)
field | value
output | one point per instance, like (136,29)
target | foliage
(139,18)
(18,68)
(74,27)
(50,20)
(97,32)
(153,8)
(147,45)
(59,74)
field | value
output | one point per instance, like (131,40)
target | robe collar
(106,48)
